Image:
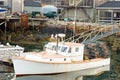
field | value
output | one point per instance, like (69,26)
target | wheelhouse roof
(71,44)
(32,3)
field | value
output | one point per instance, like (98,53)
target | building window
(88,2)
(76,49)
(71,2)
(1,3)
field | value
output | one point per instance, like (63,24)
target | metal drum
(24,21)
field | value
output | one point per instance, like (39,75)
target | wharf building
(80,10)
(87,10)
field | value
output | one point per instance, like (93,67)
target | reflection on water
(64,76)
(47,77)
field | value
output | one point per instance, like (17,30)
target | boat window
(76,49)
(58,47)
(63,49)
(53,47)
(48,46)
(69,51)
(18,49)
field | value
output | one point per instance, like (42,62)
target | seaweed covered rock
(96,50)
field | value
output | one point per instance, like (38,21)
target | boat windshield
(48,46)
(53,47)
(69,51)
(63,49)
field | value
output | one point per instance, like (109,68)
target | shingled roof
(31,3)
(46,1)
(109,5)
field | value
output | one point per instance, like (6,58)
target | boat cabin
(67,49)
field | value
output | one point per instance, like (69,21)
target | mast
(22,5)
(75,15)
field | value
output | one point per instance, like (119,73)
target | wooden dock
(15,18)
(15,22)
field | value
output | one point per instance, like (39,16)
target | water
(55,77)
(65,76)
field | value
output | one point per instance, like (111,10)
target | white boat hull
(26,67)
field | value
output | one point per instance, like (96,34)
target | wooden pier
(10,25)
(16,22)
